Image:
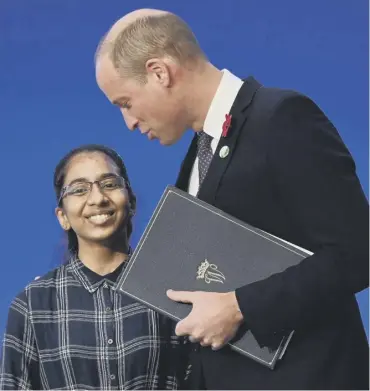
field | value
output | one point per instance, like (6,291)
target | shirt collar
(221,104)
(90,280)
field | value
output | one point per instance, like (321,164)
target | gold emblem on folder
(209,273)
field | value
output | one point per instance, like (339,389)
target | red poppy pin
(226,125)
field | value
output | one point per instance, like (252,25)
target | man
(271,158)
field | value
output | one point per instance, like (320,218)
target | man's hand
(214,319)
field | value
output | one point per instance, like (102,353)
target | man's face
(151,107)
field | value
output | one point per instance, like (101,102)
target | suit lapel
(219,163)
(182,181)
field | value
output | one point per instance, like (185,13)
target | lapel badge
(224,151)
(226,125)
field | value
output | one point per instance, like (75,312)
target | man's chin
(167,142)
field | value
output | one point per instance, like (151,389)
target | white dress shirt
(221,105)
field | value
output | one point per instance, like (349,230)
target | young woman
(72,329)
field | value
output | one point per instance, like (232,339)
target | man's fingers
(183,327)
(181,296)
(205,342)
(217,346)
(193,339)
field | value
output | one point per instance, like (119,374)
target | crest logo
(209,273)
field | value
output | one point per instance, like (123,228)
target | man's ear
(159,70)
(62,218)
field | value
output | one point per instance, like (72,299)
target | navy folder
(191,245)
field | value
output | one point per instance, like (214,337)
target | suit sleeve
(315,176)
(19,361)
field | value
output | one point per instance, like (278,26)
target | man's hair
(155,36)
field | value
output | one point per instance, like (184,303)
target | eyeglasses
(83,188)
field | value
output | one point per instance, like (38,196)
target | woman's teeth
(98,219)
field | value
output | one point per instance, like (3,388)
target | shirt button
(112,377)
(110,341)
(108,309)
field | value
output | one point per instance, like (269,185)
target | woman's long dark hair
(59,176)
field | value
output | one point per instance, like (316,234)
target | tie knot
(204,140)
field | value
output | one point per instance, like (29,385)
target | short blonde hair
(154,36)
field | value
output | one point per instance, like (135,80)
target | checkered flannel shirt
(72,329)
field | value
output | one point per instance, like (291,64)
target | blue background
(49,101)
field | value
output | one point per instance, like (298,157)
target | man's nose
(131,122)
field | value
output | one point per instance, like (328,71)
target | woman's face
(98,213)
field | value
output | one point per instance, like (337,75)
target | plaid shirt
(72,329)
